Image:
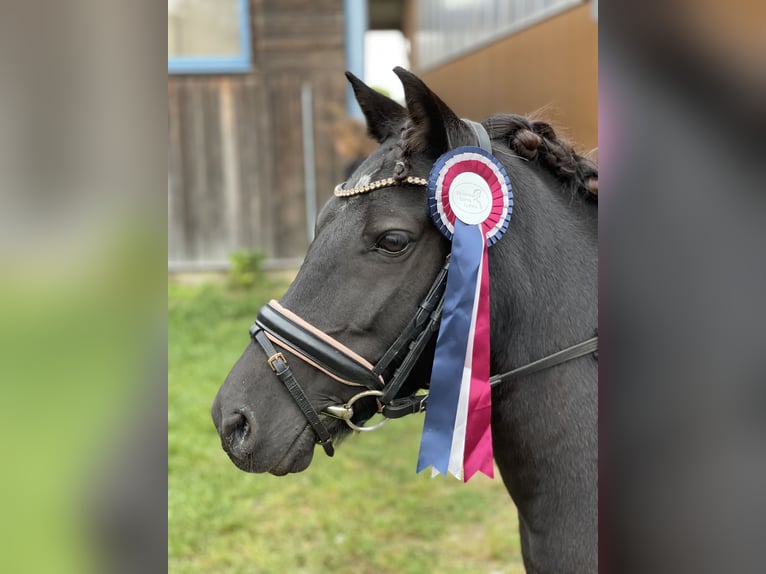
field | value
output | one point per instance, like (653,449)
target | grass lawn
(363,511)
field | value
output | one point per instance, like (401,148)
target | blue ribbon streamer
(451,347)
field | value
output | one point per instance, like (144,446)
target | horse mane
(531,139)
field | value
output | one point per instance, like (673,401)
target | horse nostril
(235,429)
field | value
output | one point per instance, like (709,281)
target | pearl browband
(483,141)
(379,184)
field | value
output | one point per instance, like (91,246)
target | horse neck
(544,276)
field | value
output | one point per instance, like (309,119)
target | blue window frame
(208,36)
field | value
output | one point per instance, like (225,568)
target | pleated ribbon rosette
(470,201)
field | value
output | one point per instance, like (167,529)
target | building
(514,56)
(246,80)
(255,88)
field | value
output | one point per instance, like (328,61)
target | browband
(316,347)
(482,141)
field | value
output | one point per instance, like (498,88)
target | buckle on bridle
(274,358)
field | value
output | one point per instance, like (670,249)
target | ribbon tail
(478,438)
(457,453)
(445,412)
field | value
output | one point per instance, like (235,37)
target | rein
(278,326)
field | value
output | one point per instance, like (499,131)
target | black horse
(375,258)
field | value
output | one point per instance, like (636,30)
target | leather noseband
(316,348)
(278,326)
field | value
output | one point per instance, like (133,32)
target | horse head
(355,327)
(374,257)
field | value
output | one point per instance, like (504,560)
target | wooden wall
(236,178)
(551,64)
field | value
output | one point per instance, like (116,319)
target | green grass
(363,511)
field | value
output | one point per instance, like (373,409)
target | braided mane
(533,140)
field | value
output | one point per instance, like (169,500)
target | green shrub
(246,270)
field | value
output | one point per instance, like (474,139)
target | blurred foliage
(246,269)
(75,351)
(363,511)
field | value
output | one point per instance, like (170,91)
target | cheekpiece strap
(279,365)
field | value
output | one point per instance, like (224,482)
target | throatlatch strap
(279,365)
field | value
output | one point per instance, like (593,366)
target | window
(208,36)
(449,28)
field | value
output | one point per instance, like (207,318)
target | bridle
(276,327)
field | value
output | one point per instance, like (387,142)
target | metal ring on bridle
(345,412)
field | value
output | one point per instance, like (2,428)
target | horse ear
(437,128)
(384,116)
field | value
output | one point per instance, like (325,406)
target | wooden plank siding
(235,158)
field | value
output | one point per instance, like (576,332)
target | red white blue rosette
(484,166)
(470,201)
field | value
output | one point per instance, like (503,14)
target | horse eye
(392,242)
